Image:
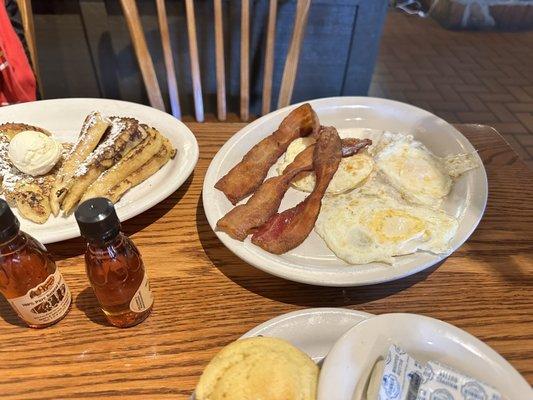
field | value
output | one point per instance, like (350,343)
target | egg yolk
(393,226)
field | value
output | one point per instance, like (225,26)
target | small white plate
(64,117)
(425,339)
(313,330)
(312,262)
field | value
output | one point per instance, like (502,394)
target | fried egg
(420,176)
(374,225)
(351,173)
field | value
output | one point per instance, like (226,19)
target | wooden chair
(150,80)
(29,33)
(147,69)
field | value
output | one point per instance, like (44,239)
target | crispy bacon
(243,219)
(245,177)
(287,230)
(239,222)
(351,146)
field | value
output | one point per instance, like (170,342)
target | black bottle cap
(97,219)
(9,224)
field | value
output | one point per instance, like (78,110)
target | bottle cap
(97,219)
(9,224)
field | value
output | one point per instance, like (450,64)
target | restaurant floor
(461,76)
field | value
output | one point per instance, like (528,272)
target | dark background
(84,49)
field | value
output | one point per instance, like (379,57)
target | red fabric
(17,81)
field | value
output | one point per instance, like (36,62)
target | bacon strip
(245,177)
(265,202)
(287,230)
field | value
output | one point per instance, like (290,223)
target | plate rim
(166,191)
(306,276)
(472,341)
(305,311)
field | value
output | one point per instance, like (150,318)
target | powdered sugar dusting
(117,128)
(88,123)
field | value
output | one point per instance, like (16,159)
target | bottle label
(143,298)
(45,303)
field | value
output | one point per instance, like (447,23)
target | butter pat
(444,383)
(34,153)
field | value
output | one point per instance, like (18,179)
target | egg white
(374,225)
(352,171)
(419,175)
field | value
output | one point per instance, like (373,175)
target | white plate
(312,262)
(64,117)
(313,330)
(425,339)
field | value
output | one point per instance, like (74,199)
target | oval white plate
(425,339)
(64,117)
(313,330)
(312,262)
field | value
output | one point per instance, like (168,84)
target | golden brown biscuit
(259,368)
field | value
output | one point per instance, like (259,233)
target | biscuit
(259,368)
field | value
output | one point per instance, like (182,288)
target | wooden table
(206,297)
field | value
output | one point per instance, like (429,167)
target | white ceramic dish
(312,262)
(314,330)
(424,338)
(64,117)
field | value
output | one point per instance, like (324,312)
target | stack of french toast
(110,156)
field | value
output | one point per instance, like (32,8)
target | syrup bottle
(114,266)
(29,278)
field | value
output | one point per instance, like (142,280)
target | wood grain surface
(146,64)
(166,43)
(245,60)
(205,297)
(220,63)
(293,55)
(195,62)
(26,13)
(269,57)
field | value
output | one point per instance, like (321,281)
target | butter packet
(401,376)
(405,378)
(444,383)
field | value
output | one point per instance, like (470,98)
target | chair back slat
(195,63)
(293,55)
(245,60)
(169,60)
(269,57)
(146,65)
(248,35)
(26,14)
(219,60)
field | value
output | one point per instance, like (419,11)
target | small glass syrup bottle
(29,278)
(114,266)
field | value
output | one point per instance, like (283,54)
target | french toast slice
(32,201)
(10,129)
(122,136)
(92,130)
(165,153)
(138,156)
(30,194)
